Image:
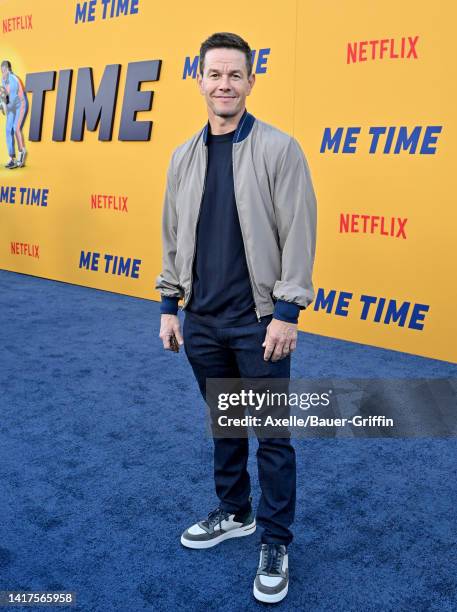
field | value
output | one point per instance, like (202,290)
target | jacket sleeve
(167,281)
(296,217)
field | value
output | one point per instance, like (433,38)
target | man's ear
(199,82)
(251,80)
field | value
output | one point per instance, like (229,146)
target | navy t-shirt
(221,289)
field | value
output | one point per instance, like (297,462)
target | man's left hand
(280,341)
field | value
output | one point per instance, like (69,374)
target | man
(239,225)
(16,107)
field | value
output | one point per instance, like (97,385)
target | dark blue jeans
(234,352)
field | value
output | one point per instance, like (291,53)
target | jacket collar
(243,129)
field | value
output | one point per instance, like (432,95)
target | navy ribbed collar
(242,131)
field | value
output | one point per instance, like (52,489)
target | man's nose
(224,82)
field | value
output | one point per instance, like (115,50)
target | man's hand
(280,341)
(169,328)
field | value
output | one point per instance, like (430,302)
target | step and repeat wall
(367,88)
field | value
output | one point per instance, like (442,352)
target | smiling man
(238,236)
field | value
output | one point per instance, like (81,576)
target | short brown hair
(226,40)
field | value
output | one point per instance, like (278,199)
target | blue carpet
(104,460)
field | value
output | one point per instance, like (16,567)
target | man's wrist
(286,311)
(169,305)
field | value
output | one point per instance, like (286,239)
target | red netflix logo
(385,48)
(25,248)
(21,22)
(394,227)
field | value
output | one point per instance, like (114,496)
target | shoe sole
(266,598)
(240,532)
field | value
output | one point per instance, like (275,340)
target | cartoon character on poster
(14,105)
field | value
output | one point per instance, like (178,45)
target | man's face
(225,83)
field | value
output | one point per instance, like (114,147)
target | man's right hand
(169,326)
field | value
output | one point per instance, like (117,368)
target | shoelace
(216,517)
(272,558)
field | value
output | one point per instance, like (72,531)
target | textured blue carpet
(104,460)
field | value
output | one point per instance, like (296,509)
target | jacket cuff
(286,311)
(169,305)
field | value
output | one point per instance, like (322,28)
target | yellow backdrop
(341,77)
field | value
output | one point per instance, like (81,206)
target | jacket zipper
(244,244)
(195,233)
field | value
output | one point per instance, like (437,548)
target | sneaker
(11,164)
(272,579)
(21,160)
(220,525)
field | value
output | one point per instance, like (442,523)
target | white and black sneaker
(220,525)
(11,164)
(21,160)
(272,579)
